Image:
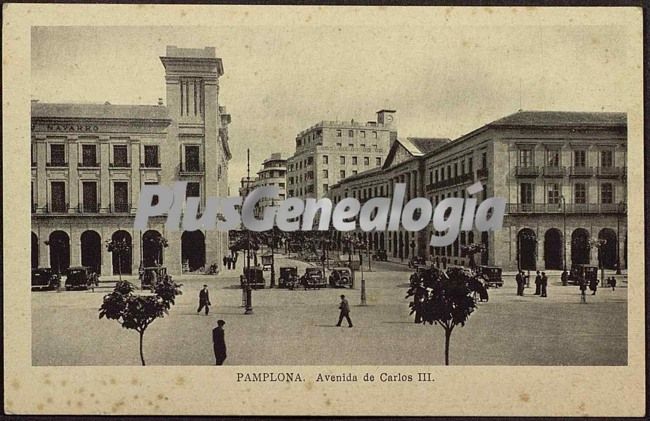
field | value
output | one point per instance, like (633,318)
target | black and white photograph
(335,192)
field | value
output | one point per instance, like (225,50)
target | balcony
(581,172)
(120,207)
(554,171)
(120,165)
(58,208)
(482,173)
(88,208)
(57,164)
(527,171)
(191,169)
(460,179)
(571,208)
(88,165)
(150,165)
(610,172)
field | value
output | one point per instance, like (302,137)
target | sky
(443,81)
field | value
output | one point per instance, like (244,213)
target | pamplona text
(449,217)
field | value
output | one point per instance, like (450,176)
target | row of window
(362,133)
(90,198)
(459,168)
(553,193)
(554,158)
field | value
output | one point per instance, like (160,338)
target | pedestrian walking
(564,277)
(219,343)
(225,261)
(583,291)
(593,285)
(344,306)
(204,300)
(234,261)
(612,283)
(538,283)
(519,281)
(543,283)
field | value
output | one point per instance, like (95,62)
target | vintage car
(491,275)
(416,261)
(45,279)
(380,255)
(341,277)
(80,277)
(582,273)
(313,278)
(255,277)
(288,277)
(149,276)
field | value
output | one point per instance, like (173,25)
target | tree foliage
(443,298)
(137,312)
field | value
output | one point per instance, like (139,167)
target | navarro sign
(77,128)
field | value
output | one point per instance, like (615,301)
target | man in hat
(204,300)
(344,306)
(219,343)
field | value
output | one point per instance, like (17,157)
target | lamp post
(249,292)
(564,232)
(361,244)
(621,209)
(272,257)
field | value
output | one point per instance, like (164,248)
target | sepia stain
(582,407)
(112,380)
(489,10)
(328,402)
(15,384)
(68,402)
(309,385)
(40,406)
(49,400)
(160,396)
(134,381)
(135,397)
(180,381)
(80,404)
(149,403)
(524,397)
(47,381)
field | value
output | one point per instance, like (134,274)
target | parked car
(288,277)
(416,261)
(149,276)
(380,255)
(45,279)
(255,277)
(313,278)
(80,277)
(491,275)
(341,277)
(582,273)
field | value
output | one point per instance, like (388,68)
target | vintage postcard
(250,210)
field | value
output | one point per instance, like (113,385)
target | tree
(444,299)
(137,312)
(118,247)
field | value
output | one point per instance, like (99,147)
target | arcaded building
(562,174)
(89,161)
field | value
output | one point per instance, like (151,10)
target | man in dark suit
(538,283)
(219,342)
(544,283)
(344,306)
(204,300)
(520,283)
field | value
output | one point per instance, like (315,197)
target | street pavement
(298,327)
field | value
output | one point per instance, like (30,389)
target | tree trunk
(119,265)
(141,352)
(447,338)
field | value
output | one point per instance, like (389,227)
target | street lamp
(621,209)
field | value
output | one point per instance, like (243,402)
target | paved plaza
(298,327)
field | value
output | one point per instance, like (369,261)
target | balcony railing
(49,208)
(120,165)
(88,165)
(554,171)
(460,179)
(191,169)
(57,164)
(89,208)
(120,207)
(150,165)
(581,171)
(610,172)
(557,208)
(527,171)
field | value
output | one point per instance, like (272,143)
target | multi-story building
(562,174)
(89,161)
(273,173)
(330,151)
